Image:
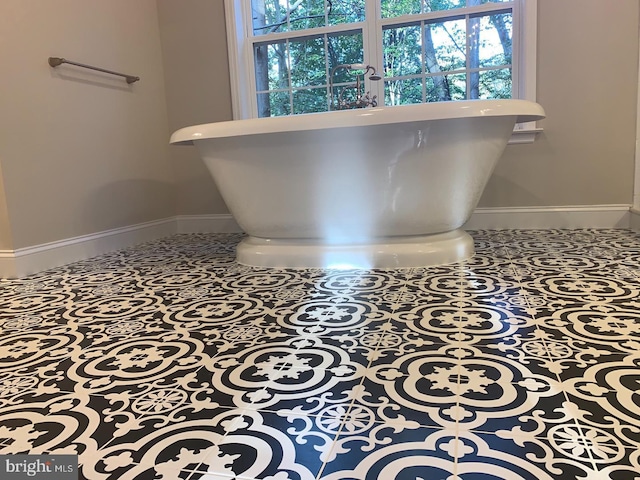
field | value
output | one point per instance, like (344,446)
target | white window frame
(242,72)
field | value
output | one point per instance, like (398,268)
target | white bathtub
(371,188)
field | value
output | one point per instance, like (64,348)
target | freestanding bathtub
(382,187)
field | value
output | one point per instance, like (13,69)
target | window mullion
(467,22)
(372,44)
(423,52)
(311,32)
(327,66)
(485,8)
(289,82)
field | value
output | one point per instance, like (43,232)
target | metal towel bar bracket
(56,61)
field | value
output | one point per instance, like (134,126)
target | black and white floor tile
(171,361)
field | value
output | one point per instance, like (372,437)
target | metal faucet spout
(359,99)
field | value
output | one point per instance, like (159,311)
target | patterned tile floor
(171,361)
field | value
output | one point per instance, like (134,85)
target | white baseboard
(25,261)
(634,222)
(580,216)
(212,223)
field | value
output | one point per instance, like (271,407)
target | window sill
(524,135)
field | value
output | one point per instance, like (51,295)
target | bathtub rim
(523,110)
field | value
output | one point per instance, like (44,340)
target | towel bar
(55,61)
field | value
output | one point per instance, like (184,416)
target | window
(286,55)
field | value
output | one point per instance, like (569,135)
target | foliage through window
(426,50)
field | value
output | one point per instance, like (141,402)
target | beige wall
(197,90)
(5,227)
(82,152)
(586,81)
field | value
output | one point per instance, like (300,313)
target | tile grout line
(458,442)
(582,438)
(353,401)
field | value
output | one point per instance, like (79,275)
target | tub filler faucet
(359,99)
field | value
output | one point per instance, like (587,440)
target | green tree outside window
(431,50)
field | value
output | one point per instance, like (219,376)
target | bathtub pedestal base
(388,252)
